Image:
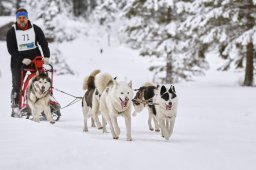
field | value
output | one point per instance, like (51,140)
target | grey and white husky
(115,100)
(38,97)
(166,107)
(90,102)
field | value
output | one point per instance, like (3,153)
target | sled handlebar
(24,68)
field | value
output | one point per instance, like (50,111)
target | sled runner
(37,65)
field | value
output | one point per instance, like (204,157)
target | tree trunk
(75,7)
(18,4)
(169,69)
(83,7)
(248,81)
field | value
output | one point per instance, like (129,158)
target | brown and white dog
(90,102)
(144,98)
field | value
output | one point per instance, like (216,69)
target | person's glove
(46,60)
(26,61)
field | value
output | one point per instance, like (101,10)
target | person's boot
(15,111)
(15,106)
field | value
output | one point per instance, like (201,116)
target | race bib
(25,39)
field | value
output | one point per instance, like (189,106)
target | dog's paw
(100,127)
(85,130)
(129,139)
(151,129)
(116,137)
(36,120)
(105,131)
(52,122)
(167,137)
(157,130)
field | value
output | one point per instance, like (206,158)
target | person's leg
(15,90)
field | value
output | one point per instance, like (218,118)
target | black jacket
(18,56)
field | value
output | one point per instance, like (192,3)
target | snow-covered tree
(58,61)
(83,7)
(53,16)
(106,19)
(152,28)
(7,7)
(105,12)
(228,25)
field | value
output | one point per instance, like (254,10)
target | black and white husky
(38,97)
(115,100)
(166,107)
(90,102)
(144,98)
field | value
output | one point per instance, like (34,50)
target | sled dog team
(111,98)
(106,96)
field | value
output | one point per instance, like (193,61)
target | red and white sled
(27,73)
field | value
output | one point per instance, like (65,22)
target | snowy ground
(215,127)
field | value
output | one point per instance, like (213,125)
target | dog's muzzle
(168,106)
(124,103)
(42,89)
(135,101)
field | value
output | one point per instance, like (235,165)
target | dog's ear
(49,79)
(156,89)
(130,84)
(172,89)
(115,82)
(163,90)
(142,88)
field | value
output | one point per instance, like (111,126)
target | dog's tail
(102,80)
(89,80)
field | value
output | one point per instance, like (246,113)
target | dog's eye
(122,93)
(128,92)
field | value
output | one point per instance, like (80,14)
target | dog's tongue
(124,103)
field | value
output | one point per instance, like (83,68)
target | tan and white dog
(38,97)
(115,100)
(90,102)
(166,108)
(144,98)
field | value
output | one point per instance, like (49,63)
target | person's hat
(21,12)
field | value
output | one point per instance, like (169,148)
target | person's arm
(42,41)
(12,44)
